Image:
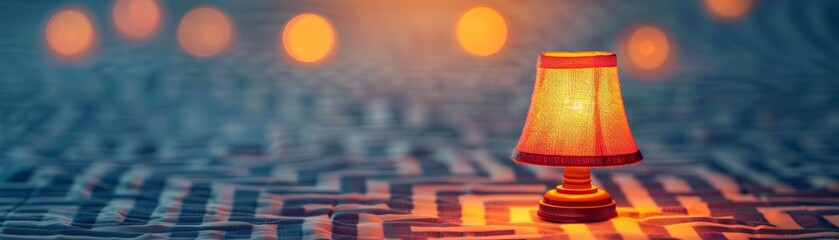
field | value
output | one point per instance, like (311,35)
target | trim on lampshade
(561,60)
(576,161)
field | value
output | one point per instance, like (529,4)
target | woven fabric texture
(577,114)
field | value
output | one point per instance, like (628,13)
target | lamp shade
(576,115)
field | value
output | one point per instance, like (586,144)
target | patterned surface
(142,141)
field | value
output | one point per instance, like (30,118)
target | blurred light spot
(482,31)
(728,9)
(69,32)
(308,38)
(136,18)
(204,32)
(648,48)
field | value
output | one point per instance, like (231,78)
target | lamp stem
(576,200)
(576,178)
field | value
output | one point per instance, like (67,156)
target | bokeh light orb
(648,48)
(136,18)
(482,31)
(728,9)
(308,38)
(69,32)
(205,32)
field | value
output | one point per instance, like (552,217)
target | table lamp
(577,121)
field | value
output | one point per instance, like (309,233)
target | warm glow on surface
(136,18)
(728,9)
(522,214)
(482,31)
(648,48)
(205,32)
(69,32)
(308,38)
(473,211)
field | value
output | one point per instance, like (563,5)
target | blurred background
(744,88)
(724,71)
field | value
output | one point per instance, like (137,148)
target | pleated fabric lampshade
(577,121)
(576,115)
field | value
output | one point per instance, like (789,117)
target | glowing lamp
(577,121)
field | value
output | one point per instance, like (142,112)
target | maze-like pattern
(384,178)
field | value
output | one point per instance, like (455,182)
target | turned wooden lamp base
(576,200)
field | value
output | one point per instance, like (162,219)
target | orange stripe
(577,61)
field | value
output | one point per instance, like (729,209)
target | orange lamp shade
(576,115)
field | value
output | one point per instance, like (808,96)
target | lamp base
(576,200)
